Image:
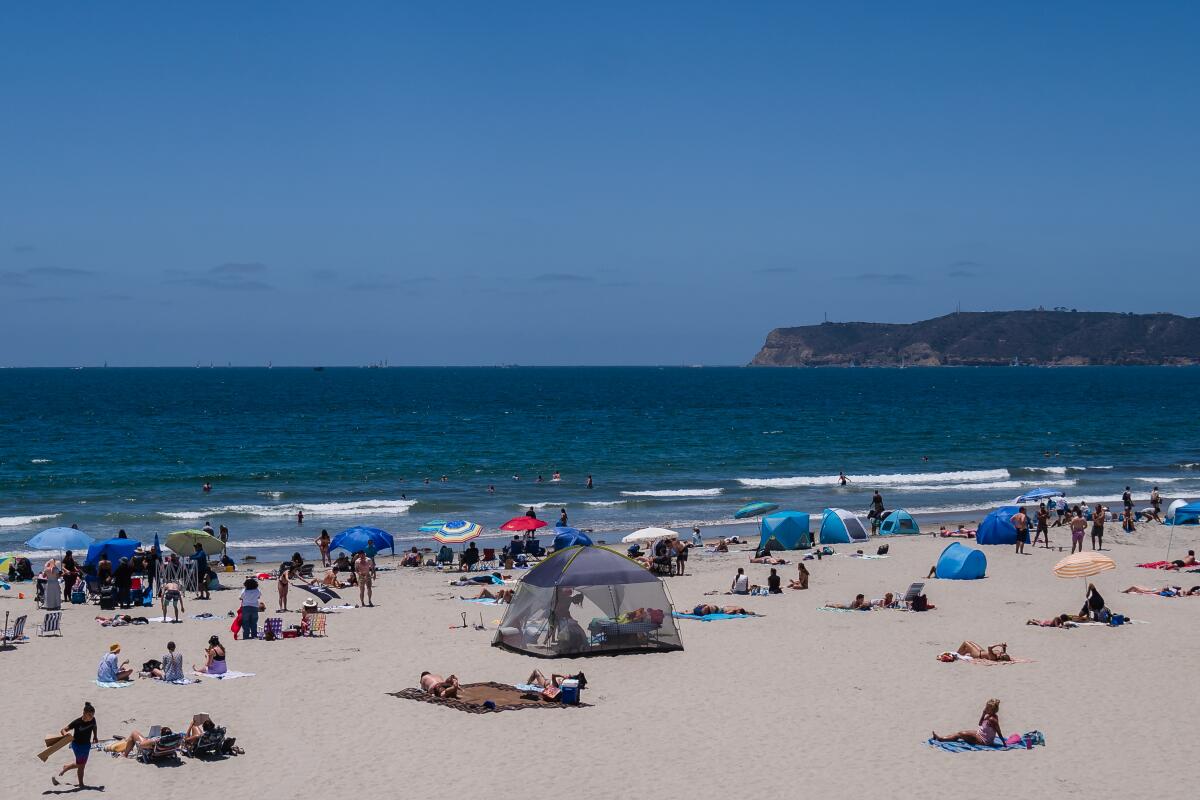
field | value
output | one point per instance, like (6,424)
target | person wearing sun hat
(111,670)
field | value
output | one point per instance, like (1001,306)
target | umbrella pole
(1170,540)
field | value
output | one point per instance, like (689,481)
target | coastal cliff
(990,338)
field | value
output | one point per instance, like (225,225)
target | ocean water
(129,448)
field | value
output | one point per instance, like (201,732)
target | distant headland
(991,338)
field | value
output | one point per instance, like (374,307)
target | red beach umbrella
(521,524)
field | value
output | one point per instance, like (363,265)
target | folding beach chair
(51,624)
(209,744)
(167,746)
(489,558)
(17,632)
(445,556)
(316,624)
(534,548)
(914,591)
(273,628)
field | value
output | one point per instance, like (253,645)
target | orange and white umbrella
(1083,565)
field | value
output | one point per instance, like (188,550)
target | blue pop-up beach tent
(115,549)
(961,563)
(898,522)
(839,526)
(1186,515)
(784,530)
(997,527)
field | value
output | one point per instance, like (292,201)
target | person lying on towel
(859,602)
(1166,591)
(502,595)
(551,687)
(997,652)
(438,686)
(704,609)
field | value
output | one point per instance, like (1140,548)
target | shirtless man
(438,686)
(174,595)
(362,569)
(860,601)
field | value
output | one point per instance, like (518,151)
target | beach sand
(798,701)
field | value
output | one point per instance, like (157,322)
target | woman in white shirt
(251,600)
(741,582)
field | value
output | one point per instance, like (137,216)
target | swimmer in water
(556,476)
(589,482)
(842,479)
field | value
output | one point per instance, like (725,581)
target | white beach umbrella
(645,534)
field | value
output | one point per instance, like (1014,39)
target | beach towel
(711,617)
(472,696)
(1014,742)
(320,591)
(848,610)
(1154,565)
(335,609)
(981,661)
(228,676)
(868,557)
(487,601)
(113,684)
(182,681)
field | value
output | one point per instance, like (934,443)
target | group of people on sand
(1075,518)
(112,669)
(450,688)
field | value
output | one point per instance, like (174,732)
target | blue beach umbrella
(433,526)
(754,509)
(115,549)
(565,536)
(1034,495)
(356,538)
(60,539)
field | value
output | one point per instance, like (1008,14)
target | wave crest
(353,509)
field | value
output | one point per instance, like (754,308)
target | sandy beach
(797,700)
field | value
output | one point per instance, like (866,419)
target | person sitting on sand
(1187,561)
(997,652)
(985,733)
(110,671)
(859,602)
(741,583)
(801,581)
(411,559)
(172,666)
(438,686)
(722,546)
(330,580)
(214,662)
(502,595)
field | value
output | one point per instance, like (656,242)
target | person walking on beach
(84,734)
(1155,504)
(362,571)
(1021,523)
(252,603)
(1078,523)
(1097,528)
(531,513)
(876,512)
(1043,528)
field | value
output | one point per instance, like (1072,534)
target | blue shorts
(81,752)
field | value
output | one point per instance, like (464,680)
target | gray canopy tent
(584,601)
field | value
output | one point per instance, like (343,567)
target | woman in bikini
(214,663)
(997,652)
(438,686)
(801,581)
(985,733)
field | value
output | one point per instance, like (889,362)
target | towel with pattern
(712,617)
(1015,742)
(113,684)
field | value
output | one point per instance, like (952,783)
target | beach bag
(1117,619)
(1104,615)
(152,664)
(920,603)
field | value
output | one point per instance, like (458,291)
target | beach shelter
(1038,495)
(584,601)
(839,526)
(898,522)
(114,549)
(565,537)
(1188,514)
(997,527)
(961,563)
(354,539)
(784,530)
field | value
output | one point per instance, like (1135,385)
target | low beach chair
(51,624)
(209,744)
(534,548)
(17,632)
(168,746)
(273,628)
(316,624)
(445,556)
(488,561)
(914,591)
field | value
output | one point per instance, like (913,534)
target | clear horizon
(550,185)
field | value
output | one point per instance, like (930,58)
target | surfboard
(54,744)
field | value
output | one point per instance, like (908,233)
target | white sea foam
(1051,470)
(771,433)
(271,494)
(540,505)
(604,503)
(1160,480)
(674,493)
(39,461)
(16,522)
(353,509)
(894,479)
(958,487)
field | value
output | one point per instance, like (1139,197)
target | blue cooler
(78,597)
(570,691)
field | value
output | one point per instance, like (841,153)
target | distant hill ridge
(991,338)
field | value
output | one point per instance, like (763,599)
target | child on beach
(83,735)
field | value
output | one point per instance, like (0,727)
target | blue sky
(570,183)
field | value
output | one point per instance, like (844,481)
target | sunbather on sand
(1187,561)
(767,559)
(438,686)
(987,731)
(860,601)
(801,581)
(997,652)
(887,601)
(1061,621)
(503,595)
(134,740)
(704,609)
(1166,591)
(538,678)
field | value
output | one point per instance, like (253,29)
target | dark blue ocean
(128,448)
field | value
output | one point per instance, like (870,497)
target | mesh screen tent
(585,601)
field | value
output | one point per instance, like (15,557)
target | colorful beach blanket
(711,617)
(1015,742)
(473,696)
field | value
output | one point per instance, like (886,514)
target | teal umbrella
(433,526)
(754,509)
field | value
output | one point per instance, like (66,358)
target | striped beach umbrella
(457,532)
(1083,565)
